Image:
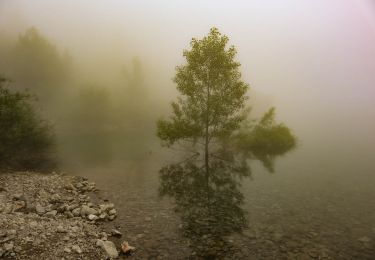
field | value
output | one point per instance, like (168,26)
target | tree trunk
(206,151)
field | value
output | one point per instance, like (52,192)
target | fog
(312,60)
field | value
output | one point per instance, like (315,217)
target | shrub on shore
(26,140)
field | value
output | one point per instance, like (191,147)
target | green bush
(26,140)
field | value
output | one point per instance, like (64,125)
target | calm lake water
(311,208)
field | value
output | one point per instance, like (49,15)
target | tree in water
(210,122)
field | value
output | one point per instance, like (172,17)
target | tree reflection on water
(210,208)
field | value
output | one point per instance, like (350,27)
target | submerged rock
(364,239)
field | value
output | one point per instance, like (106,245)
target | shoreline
(55,216)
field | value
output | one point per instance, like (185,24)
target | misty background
(102,73)
(312,60)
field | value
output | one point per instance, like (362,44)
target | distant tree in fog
(90,125)
(135,78)
(137,111)
(37,64)
(210,119)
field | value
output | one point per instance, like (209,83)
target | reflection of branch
(196,154)
(182,150)
(192,142)
(223,159)
(186,147)
(235,165)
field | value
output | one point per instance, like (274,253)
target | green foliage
(265,140)
(213,94)
(25,139)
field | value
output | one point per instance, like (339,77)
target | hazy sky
(315,58)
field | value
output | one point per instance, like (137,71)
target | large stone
(108,247)
(8,246)
(69,187)
(86,211)
(106,207)
(116,233)
(77,249)
(112,212)
(72,207)
(39,209)
(61,229)
(33,224)
(51,213)
(55,198)
(76,212)
(18,196)
(92,217)
(12,232)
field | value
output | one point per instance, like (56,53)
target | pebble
(11,232)
(92,217)
(51,213)
(76,212)
(39,209)
(86,210)
(116,232)
(55,198)
(77,249)
(112,212)
(61,229)
(8,246)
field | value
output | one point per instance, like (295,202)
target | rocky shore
(55,216)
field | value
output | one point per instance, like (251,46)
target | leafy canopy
(37,64)
(210,117)
(213,94)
